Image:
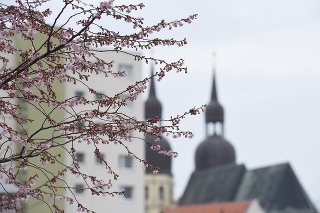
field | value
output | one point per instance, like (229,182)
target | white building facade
(130,170)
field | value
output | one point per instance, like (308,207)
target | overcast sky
(268,78)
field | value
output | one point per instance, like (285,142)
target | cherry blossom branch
(70,54)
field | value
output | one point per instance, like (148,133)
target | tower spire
(214,113)
(214,96)
(215,150)
(153,106)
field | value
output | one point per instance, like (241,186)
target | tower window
(219,128)
(125,161)
(146,192)
(161,194)
(211,129)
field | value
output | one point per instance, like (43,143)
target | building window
(79,94)
(146,192)
(161,194)
(127,69)
(125,161)
(99,96)
(80,157)
(98,159)
(128,190)
(78,189)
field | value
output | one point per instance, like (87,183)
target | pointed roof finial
(214,95)
(153,106)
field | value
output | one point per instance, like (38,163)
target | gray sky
(268,78)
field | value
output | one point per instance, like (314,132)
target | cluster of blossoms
(68,55)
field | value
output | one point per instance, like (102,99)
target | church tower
(158,187)
(215,150)
(218,179)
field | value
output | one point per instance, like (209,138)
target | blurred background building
(218,178)
(158,187)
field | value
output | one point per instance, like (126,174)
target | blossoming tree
(67,55)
